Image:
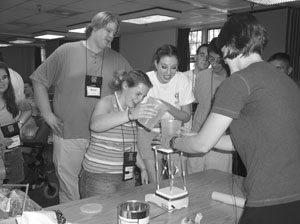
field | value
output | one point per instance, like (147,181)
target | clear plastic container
(161,108)
(170,127)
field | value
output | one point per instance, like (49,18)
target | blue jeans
(102,184)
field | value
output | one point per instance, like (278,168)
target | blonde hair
(132,78)
(101,20)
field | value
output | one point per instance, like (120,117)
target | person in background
(201,63)
(29,96)
(206,85)
(17,83)
(174,89)
(112,154)
(12,118)
(262,108)
(80,72)
(35,125)
(281,61)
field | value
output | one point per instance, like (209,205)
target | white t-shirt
(177,92)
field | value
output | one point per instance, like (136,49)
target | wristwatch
(172,142)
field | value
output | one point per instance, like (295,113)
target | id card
(128,165)
(12,131)
(93,86)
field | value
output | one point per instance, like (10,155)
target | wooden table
(199,185)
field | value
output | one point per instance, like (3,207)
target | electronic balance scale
(171,197)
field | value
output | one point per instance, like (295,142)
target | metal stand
(171,197)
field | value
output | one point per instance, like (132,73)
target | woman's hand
(182,114)
(142,110)
(144,176)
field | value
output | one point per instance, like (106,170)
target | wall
(139,48)
(20,59)
(275,22)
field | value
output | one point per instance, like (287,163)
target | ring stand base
(169,200)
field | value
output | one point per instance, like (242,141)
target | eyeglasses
(215,60)
(4,78)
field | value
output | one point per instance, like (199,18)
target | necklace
(133,132)
(3,107)
(118,102)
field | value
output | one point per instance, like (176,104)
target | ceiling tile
(8,4)
(31,15)
(95,5)
(18,13)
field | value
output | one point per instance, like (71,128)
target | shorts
(102,185)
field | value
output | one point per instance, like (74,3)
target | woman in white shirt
(174,89)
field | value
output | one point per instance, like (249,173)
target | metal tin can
(133,212)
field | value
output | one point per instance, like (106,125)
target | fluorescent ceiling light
(78,30)
(21,40)
(152,15)
(4,45)
(149,19)
(271,2)
(49,35)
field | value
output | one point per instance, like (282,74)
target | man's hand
(156,140)
(55,123)
(162,140)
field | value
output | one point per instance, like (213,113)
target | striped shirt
(106,149)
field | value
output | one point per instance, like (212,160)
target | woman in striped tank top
(112,154)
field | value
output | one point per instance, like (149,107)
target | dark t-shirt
(265,107)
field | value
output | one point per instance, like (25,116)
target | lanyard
(121,109)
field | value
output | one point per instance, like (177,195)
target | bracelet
(172,142)
(129,115)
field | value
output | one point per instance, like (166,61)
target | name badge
(129,165)
(93,86)
(12,131)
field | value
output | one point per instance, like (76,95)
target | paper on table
(37,217)
(228,199)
